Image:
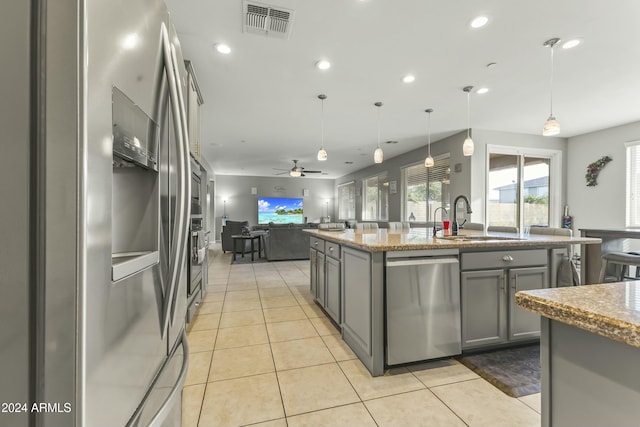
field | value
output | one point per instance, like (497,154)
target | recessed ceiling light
(222,48)
(323,65)
(482,90)
(571,43)
(479,21)
(408,78)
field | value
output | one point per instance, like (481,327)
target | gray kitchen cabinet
(315,245)
(313,272)
(321,290)
(332,282)
(489,282)
(483,301)
(524,324)
(363,306)
(326,276)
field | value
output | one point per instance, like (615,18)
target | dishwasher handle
(421,261)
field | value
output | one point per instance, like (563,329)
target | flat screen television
(280,210)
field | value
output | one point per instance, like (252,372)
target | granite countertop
(421,238)
(611,310)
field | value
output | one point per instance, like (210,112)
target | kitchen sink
(464,238)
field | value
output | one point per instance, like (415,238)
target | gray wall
(241,205)
(604,205)
(459,181)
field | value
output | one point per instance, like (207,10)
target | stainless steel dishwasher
(422,305)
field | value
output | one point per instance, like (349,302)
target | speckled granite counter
(611,310)
(589,353)
(382,240)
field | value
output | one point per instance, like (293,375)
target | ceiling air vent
(264,19)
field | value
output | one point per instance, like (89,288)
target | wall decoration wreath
(594,169)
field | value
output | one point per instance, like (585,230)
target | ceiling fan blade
(282,173)
(306,171)
(278,169)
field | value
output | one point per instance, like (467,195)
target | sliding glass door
(518,190)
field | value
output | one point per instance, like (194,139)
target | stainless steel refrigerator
(94,209)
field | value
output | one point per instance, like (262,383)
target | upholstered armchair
(231,229)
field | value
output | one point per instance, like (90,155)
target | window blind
(633,184)
(425,189)
(347,200)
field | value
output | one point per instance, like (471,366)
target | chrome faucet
(454,222)
(435,229)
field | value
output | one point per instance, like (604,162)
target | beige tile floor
(263,354)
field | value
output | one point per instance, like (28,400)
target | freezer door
(423,309)
(162,407)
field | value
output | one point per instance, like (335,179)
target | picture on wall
(280,210)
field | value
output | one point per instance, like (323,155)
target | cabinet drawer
(332,249)
(316,243)
(502,259)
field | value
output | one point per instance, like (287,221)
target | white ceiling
(261,108)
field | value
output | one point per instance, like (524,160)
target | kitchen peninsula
(589,351)
(349,279)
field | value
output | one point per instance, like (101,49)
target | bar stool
(622,260)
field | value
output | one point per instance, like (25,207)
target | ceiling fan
(296,170)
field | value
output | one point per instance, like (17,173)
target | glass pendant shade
(467,147)
(295,173)
(551,127)
(378,155)
(428,162)
(322,154)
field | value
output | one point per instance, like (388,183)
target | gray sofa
(287,242)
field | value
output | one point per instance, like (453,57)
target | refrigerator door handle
(179,246)
(176,392)
(186,200)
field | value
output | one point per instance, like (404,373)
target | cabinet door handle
(315,243)
(514,282)
(507,258)
(331,249)
(502,283)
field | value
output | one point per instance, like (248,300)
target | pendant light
(322,153)
(467,147)
(428,162)
(378,155)
(551,126)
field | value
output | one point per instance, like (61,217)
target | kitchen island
(589,351)
(349,279)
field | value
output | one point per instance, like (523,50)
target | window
(375,205)
(426,189)
(633,184)
(521,187)
(347,201)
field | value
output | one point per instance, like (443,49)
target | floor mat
(514,371)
